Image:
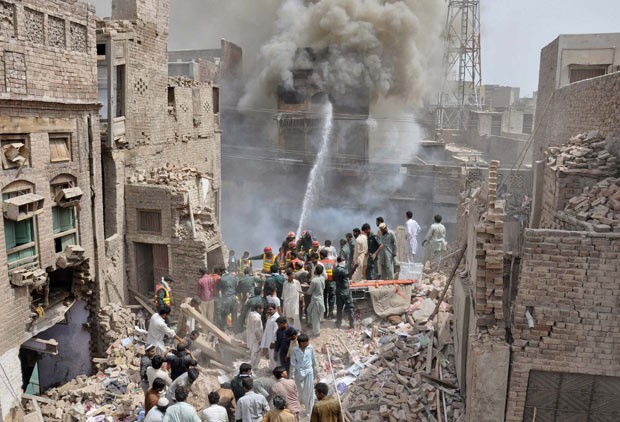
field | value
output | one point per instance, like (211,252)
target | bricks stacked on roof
(598,205)
(583,154)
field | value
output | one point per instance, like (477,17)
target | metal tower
(462,67)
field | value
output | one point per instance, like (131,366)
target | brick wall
(48,51)
(569,282)
(576,108)
(547,76)
(559,187)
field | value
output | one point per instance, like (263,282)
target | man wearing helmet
(268,259)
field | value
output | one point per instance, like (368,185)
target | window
(102,89)
(171,99)
(60,147)
(528,123)
(64,215)
(101,49)
(149,221)
(496,124)
(119,91)
(15,151)
(64,227)
(216,100)
(19,236)
(579,73)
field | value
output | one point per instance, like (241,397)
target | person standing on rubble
(184,381)
(326,408)
(290,299)
(280,413)
(156,414)
(245,261)
(344,301)
(254,333)
(158,329)
(163,292)
(180,361)
(155,371)
(215,412)
(268,341)
(345,251)
(304,364)
(351,244)
(283,342)
(181,411)
(152,395)
(206,292)
(268,258)
(245,371)
(435,242)
(316,308)
(227,288)
(386,252)
(412,231)
(233,263)
(374,244)
(250,304)
(329,293)
(252,406)
(360,257)
(145,361)
(287,389)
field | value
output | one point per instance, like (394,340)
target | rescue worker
(294,260)
(286,243)
(329,293)
(386,252)
(163,292)
(227,288)
(268,258)
(316,246)
(290,253)
(344,301)
(304,244)
(374,244)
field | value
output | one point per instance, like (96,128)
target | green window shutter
(68,240)
(23,232)
(66,219)
(9,234)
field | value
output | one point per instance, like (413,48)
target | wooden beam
(142,301)
(209,351)
(206,324)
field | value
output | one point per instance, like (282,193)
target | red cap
(267,249)
(316,244)
(291,234)
(291,244)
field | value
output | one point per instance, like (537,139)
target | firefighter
(163,292)
(268,259)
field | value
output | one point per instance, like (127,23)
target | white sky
(513,32)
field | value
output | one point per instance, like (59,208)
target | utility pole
(462,67)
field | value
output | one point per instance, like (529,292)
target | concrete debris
(183,81)
(598,205)
(583,154)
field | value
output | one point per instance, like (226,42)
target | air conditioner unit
(23,207)
(69,197)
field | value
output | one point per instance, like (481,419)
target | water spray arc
(315,180)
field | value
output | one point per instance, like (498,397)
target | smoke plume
(385,46)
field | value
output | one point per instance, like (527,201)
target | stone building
(52,240)
(161,156)
(536,310)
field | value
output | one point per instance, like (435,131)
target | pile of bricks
(583,154)
(598,205)
(168,175)
(405,380)
(114,391)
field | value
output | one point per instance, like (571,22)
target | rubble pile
(183,81)
(598,205)
(586,153)
(399,368)
(168,175)
(114,389)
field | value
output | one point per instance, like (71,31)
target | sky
(513,31)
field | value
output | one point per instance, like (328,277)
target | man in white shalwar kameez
(413,229)
(360,255)
(290,298)
(435,243)
(303,363)
(268,341)
(254,334)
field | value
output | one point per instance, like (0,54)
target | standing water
(315,181)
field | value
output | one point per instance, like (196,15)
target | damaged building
(161,166)
(536,305)
(52,235)
(110,180)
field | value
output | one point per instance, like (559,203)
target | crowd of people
(278,308)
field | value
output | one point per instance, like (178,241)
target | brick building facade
(50,178)
(161,160)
